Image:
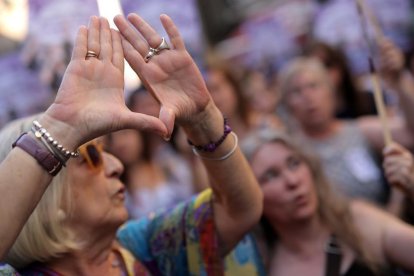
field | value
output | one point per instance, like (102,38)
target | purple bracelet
(212,146)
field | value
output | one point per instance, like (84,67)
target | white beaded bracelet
(224,157)
(41,132)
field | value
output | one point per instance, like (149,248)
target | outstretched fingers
(130,34)
(105,40)
(117,51)
(172,31)
(80,47)
(93,35)
(150,35)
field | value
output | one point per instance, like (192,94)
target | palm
(176,82)
(91,96)
(95,92)
(171,76)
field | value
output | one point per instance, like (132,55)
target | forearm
(22,184)
(237,194)
(406,98)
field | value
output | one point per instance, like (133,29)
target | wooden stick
(378,95)
(372,19)
(379,104)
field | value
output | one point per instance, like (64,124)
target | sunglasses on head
(92,153)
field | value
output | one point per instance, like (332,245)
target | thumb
(143,122)
(167,116)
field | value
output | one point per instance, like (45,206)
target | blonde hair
(44,236)
(333,210)
(296,67)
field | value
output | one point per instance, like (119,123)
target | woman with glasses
(348,149)
(76,227)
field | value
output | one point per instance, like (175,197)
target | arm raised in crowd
(391,239)
(89,103)
(402,81)
(174,80)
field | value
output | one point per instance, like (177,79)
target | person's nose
(112,165)
(292,179)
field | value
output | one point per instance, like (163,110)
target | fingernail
(166,138)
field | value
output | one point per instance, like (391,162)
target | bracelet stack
(212,146)
(48,152)
(58,150)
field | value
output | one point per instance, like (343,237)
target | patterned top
(179,241)
(132,266)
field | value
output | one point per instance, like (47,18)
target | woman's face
(97,194)
(287,184)
(261,98)
(127,145)
(222,92)
(310,99)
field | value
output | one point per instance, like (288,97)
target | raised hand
(90,101)
(399,168)
(171,75)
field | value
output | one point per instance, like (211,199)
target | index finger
(394,148)
(79,49)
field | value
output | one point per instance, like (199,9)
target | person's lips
(120,193)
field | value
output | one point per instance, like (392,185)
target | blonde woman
(308,230)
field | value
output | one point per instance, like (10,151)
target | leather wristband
(43,156)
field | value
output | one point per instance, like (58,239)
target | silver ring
(150,54)
(91,53)
(163,46)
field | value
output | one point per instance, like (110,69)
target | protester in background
(226,91)
(348,149)
(350,102)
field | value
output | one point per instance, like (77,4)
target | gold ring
(91,53)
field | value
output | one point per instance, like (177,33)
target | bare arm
(175,81)
(22,184)
(238,199)
(388,238)
(401,126)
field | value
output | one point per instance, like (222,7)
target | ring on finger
(150,54)
(163,46)
(91,53)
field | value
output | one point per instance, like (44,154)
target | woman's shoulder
(370,221)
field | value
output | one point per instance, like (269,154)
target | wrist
(66,134)
(207,127)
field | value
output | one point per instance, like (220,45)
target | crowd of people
(219,170)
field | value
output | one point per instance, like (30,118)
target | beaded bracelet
(224,157)
(60,151)
(212,146)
